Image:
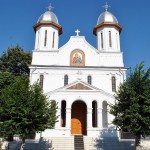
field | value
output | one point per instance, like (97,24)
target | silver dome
(107,17)
(48,16)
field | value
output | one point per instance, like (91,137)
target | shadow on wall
(108,140)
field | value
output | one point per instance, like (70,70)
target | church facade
(82,79)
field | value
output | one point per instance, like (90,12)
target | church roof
(48,16)
(107,17)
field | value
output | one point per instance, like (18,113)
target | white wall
(40,37)
(115,38)
(54,77)
(93,57)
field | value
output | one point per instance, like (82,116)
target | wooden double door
(78,118)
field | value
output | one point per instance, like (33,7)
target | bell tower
(47,31)
(108,32)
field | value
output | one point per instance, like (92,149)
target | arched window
(94,114)
(45,38)
(113,84)
(63,113)
(102,40)
(65,80)
(89,78)
(117,40)
(105,115)
(41,80)
(53,40)
(110,40)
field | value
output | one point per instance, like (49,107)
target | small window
(53,40)
(110,40)
(101,40)
(41,80)
(113,84)
(45,39)
(89,80)
(66,80)
(117,39)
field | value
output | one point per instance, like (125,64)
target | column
(110,117)
(68,117)
(58,113)
(89,118)
(100,118)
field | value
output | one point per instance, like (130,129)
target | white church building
(81,78)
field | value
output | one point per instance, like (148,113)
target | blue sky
(17,18)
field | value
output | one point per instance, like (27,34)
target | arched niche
(63,113)
(94,113)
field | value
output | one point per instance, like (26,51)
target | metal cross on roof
(50,7)
(77,31)
(106,6)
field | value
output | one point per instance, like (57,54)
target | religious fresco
(77,58)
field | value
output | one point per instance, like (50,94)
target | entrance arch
(79,118)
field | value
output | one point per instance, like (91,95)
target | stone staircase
(62,143)
(75,143)
(91,143)
(78,142)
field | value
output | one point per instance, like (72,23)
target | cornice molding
(47,24)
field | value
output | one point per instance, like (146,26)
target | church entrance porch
(78,118)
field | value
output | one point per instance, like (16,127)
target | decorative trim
(47,24)
(94,89)
(106,24)
(77,67)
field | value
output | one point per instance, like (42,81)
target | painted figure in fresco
(77,58)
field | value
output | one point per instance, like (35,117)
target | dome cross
(77,32)
(106,6)
(50,7)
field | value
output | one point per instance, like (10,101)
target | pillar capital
(99,110)
(68,110)
(89,110)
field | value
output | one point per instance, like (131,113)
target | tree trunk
(137,143)
(23,144)
(10,138)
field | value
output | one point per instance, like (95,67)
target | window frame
(65,79)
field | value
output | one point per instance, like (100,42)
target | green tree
(14,62)
(132,108)
(25,110)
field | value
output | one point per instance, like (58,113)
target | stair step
(62,143)
(78,142)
